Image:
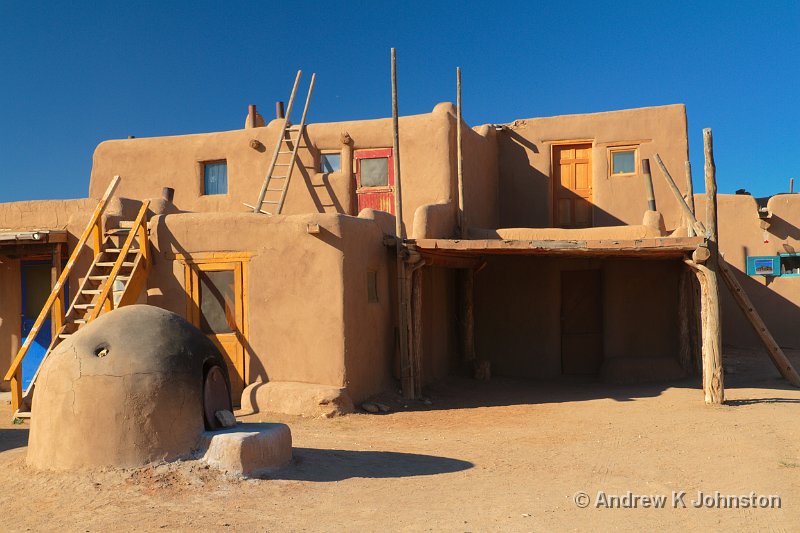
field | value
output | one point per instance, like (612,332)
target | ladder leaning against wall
(115,278)
(276,182)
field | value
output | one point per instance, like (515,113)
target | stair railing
(55,302)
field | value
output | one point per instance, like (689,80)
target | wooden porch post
(713,385)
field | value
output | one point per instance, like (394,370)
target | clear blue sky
(77,73)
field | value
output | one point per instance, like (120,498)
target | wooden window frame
(376,153)
(218,261)
(330,152)
(623,148)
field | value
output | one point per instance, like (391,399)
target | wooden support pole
(698,227)
(777,356)
(406,367)
(713,384)
(467,278)
(690,198)
(712,367)
(462,224)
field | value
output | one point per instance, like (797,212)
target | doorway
(217,309)
(581,322)
(36,279)
(572,185)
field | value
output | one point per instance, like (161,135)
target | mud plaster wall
(480,169)
(518,306)
(69,215)
(740,235)
(148,164)
(302,327)
(525,152)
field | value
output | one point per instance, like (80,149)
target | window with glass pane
(215,177)
(623,162)
(375,172)
(330,163)
(217,311)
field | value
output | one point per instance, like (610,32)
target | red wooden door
(375,179)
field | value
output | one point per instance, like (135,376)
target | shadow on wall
(780,314)
(312,188)
(783,229)
(525,191)
(312,464)
(13,438)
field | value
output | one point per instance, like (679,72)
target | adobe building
(550,264)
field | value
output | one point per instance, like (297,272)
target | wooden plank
(462,216)
(774,351)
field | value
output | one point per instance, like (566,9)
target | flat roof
(446,252)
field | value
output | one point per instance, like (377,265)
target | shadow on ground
(313,464)
(13,438)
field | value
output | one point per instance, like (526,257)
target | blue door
(36,288)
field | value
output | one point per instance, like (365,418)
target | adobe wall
(306,293)
(518,309)
(148,164)
(69,215)
(740,235)
(480,169)
(525,152)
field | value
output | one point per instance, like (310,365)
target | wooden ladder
(285,145)
(115,278)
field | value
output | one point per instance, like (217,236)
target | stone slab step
(247,450)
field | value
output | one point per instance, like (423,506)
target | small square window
(330,163)
(215,177)
(623,161)
(375,172)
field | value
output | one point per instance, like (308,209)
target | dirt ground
(501,456)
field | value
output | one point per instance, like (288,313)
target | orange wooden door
(581,322)
(218,311)
(572,185)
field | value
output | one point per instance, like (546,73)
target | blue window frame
(215,177)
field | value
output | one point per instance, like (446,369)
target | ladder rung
(116,231)
(118,250)
(64,335)
(283,164)
(79,321)
(84,306)
(126,223)
(111,264)
(270,202)
(90,291)
(282,152)
(277,177)
(274,190)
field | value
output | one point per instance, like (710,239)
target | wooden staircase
(115,278)
(284,158)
